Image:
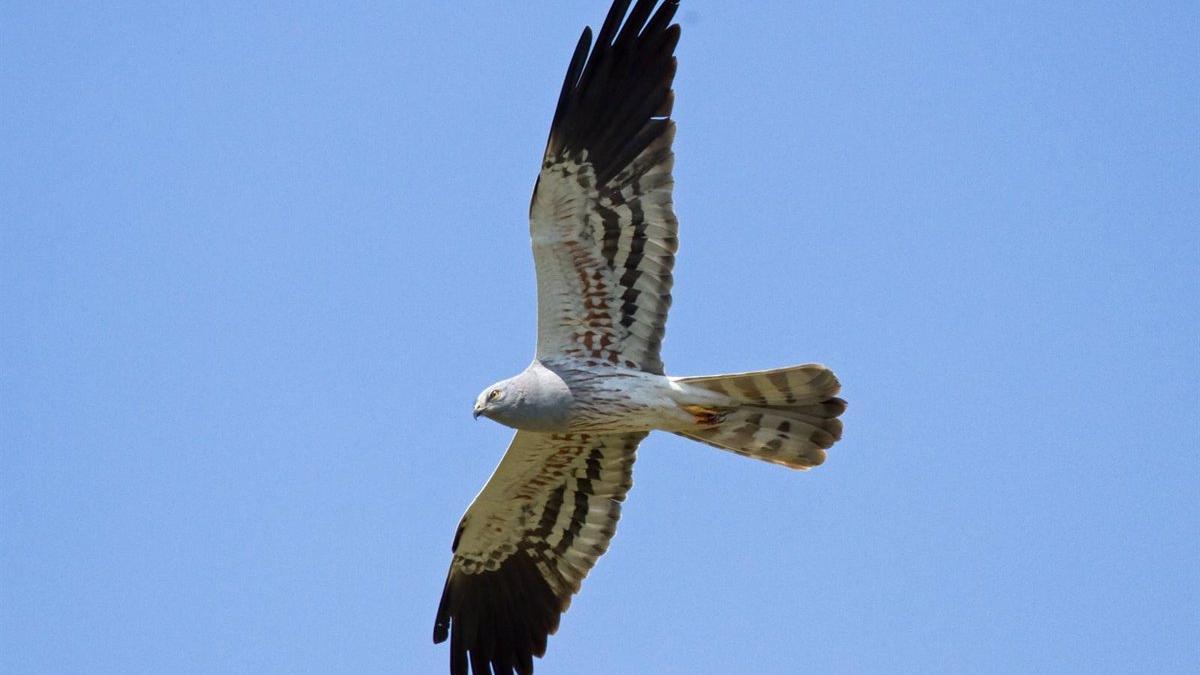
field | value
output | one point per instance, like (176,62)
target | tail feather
(809,384)
(786,416)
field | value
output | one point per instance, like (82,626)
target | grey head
(535,400)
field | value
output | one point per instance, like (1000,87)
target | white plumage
(604,237)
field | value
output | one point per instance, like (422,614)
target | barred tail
(786,416)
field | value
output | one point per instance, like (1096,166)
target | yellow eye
(493,395)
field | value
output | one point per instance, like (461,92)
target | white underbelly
(628,401)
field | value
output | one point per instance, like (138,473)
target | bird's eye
(493,395)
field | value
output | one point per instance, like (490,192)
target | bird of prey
(604,241)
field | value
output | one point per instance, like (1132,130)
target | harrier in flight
(604,241)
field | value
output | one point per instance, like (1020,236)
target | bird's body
(603,398)
(604,235)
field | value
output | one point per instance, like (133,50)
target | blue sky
(255,265)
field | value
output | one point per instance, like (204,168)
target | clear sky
(255,265)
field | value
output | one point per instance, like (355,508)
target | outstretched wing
(601,218)
(528,540)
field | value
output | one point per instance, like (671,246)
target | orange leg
(704,415)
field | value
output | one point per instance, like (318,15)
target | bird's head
(496,400)
(535,400)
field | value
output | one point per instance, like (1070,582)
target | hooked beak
(477,412)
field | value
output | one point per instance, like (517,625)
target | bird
(604,237)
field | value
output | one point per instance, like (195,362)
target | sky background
(256,264)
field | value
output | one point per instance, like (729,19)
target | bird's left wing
(526,543)
(601,218)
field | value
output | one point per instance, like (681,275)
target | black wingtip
(441,624)
(616,86)
(613,19)
(497,621)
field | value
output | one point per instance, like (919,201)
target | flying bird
(604,239)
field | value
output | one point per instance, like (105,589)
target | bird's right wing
(526,543)
(601,219)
